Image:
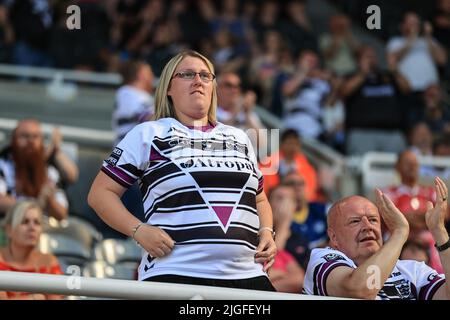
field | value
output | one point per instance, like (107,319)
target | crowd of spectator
(286,66)
(331,87)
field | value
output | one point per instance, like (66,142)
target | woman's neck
(19,254)
(193,122)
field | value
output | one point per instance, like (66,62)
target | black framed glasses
(205,76)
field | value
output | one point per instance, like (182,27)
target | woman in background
(23,226)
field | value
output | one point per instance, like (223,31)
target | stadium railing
(99,78)
(75,285)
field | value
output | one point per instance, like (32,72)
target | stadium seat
(68,250)
(78,229)
(378,171)
(101,269)
(115,251)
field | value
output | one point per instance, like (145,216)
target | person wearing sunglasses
(207,218)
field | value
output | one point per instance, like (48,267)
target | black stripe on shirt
(153,175)
(213,233)
(248,199)
(181,199)
(220,179)
(132,169)
(218,242)
(176,210)
(168,193)
(145,189)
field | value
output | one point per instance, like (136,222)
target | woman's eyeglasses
(190,75)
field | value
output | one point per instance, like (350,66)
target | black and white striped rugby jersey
(200,187)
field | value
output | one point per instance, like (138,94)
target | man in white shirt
(134,101)
(418,55)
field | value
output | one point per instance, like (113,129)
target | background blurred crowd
(345,90)
(332,86)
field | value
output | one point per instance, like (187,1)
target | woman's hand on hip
(266,250)
(154,240)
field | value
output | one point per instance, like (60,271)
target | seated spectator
(412,199)
(286,273)
(290,158)
(281,198)
(304,94)
(23,224)
(26,172)
(310,218)
(339,46)
(373,117)
(359,264)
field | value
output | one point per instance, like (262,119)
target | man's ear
(332,236)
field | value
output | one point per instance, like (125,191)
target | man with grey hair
(359,265)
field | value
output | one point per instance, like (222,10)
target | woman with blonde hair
(23,226)
(207,219)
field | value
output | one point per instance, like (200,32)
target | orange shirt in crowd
(304,168)
(55,269)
